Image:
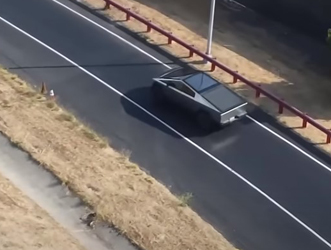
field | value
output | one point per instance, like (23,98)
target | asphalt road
(241,213)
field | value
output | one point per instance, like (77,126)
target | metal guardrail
(258,89)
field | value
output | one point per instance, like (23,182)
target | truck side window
(182,87)
(187,90)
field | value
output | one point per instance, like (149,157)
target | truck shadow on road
(169,114)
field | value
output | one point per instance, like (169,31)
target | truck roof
(223,98)
(213,91)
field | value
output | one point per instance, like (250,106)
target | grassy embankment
(118,190)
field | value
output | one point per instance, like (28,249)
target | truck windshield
(201,82)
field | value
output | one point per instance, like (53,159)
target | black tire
(205,121)
(158,95)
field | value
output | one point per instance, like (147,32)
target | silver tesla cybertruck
(210,101)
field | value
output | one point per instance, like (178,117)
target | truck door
(181,95)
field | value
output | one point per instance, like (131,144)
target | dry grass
(122,194)
(25,226)
(185,199)
(248,49)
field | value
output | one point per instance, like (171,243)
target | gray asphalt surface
(242,214)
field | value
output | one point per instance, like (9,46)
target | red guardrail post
(191,51)
(280,108)
(328,138)
(213,66)
(304,123)
(258,92)
(107,5)
(128,16)
(149,28)
(235,79)
(169,39)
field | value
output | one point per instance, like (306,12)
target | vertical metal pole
(211,27)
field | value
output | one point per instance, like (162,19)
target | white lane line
(167,66)
(175,131)
(291,144)
(114,34)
